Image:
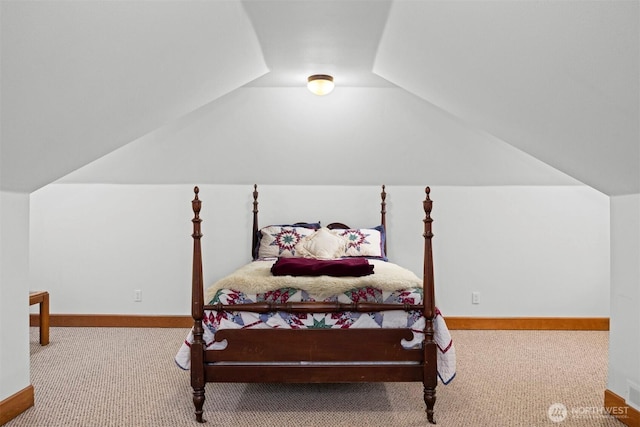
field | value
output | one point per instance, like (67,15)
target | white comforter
(256,277)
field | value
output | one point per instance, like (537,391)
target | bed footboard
(314,345)
(314,356)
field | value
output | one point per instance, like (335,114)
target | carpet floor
(126,377)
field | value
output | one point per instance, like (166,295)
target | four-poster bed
(382,331)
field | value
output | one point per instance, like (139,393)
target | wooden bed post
(197,312)
(383,215)
(254,238)
(430,379)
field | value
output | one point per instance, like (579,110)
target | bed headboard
(333,225)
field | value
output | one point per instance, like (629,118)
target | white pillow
(323,244)
(362,242)
(281,241)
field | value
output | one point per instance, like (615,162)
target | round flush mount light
(320,84)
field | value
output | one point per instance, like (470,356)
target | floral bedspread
(216,320)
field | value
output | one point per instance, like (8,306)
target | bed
(317,305)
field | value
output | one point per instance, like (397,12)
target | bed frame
(329,355)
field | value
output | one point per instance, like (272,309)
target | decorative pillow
(281,240)
(363,242)
(256,250)
(323,244)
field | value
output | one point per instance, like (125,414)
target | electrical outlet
(137,295)
(475,297)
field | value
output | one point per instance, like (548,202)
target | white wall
(355,136)
(624,337)
(14,293)
(529,251)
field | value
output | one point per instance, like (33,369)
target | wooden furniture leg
(42,298)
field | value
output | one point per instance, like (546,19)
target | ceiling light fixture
(320,84)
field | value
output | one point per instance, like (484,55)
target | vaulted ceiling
(555,80)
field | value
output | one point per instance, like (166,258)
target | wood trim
(617,407)
(473,323)
(529,323)
(115,321)
(16,404)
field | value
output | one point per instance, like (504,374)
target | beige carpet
(127,377)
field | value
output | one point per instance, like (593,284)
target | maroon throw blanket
(354,267)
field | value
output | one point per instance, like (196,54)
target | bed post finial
(427,205)
(196,203)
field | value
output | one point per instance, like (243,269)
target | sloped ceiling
(335,37)
(557,80)
(362,136)
(83,78)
